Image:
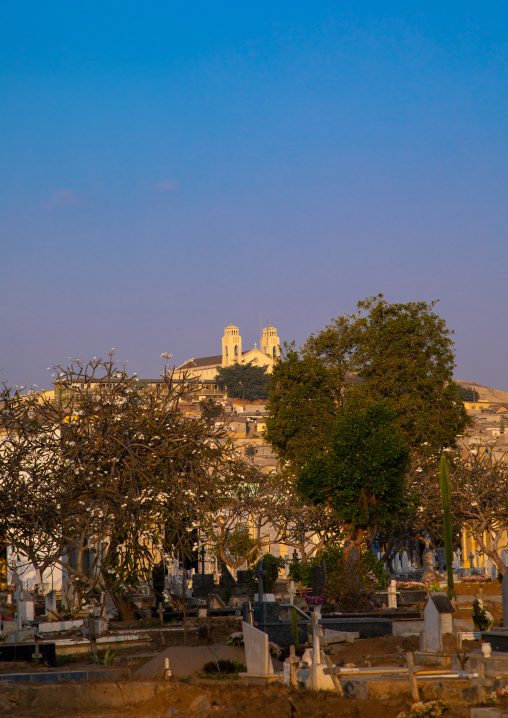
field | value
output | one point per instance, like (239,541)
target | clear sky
(167,168)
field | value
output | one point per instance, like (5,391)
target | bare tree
(109,472)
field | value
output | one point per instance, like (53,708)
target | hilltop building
(205,368)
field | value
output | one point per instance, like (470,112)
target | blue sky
(166,169)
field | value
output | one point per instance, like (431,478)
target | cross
(250,615)
(295,555)
(471,559)
(292,592)
(260,573)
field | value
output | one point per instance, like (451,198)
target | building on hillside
(205,368)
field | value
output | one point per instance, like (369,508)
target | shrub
(235,639)
(223,667)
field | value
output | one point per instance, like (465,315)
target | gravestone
(471,560)
(392,594)
(226,578)
(319,579)
(50,602)
(257,654)
(441,558)
(438,621)
(202,581)
(405,561)
(242,577)
(25,605)
(260,573)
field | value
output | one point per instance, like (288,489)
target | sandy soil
(232,700)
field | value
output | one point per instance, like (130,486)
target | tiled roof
(202,361)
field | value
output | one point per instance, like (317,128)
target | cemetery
(413,644)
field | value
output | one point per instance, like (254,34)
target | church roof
(202,361)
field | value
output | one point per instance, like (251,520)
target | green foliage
(361,477)
(349,585)
(294,629)
(373,567)
(482,619)
(301,571)
(272,565)
(402,354)
(447,522)
(239,542)
(109,657)
(467,393)
(244,381)
(301,407)
(210,409)
(222,668)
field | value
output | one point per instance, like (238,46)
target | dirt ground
(233,700)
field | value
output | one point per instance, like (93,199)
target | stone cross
(471,560)
(260,573)
(292,592)
(295,555)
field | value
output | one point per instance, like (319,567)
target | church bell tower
(231,346)
(270,342)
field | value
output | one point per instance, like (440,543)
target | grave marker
(392,594)
(438,620)
(257,654)
(50,602)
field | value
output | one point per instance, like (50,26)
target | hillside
(486,393)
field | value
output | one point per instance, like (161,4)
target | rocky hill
(486,393)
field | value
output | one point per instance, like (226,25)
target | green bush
(223,667)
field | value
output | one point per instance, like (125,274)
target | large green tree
(361,476)
(244,381)
(401,354)
(302,406)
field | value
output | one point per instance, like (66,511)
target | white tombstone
(50,602)
(26,606)
(438,620)
(257,654)
(405,561)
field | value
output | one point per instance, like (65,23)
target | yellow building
(206,367)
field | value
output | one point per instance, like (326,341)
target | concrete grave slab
(184,661)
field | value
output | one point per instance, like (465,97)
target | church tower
(231,346)
(270,342)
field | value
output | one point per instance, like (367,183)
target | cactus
(447,522)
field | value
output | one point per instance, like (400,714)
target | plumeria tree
(107,475)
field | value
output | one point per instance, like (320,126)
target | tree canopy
(244,381)
(400,354)
(302,406)
(403,354)
(361,476)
